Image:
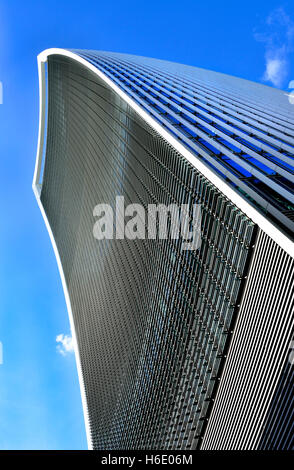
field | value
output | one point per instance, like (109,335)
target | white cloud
(65,344)
(276,69)
(278,39)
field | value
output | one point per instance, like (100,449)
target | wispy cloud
(65,344)
(276,68)
(278,38)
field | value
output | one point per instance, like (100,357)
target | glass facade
(173,344)
(225,122)
(153,322)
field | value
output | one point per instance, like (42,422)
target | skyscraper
(176,349)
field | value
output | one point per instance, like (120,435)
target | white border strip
(271,230)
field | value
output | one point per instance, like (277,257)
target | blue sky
(40,405)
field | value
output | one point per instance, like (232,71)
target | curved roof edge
(267,226)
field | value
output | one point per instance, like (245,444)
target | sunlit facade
(175,349)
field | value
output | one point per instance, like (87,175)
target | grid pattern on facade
(153,322)
(247,142)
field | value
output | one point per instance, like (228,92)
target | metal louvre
(153,322)
(277,433)
(176,350)
(258,351)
